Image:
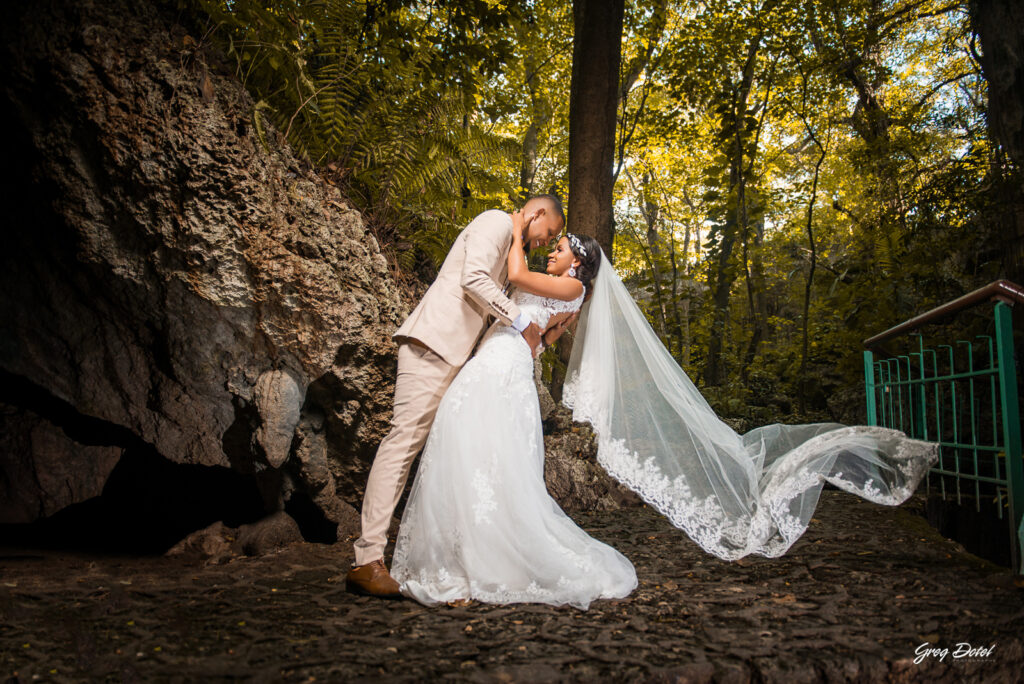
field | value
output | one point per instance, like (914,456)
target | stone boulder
(571,472)
(218,542)
(44,470)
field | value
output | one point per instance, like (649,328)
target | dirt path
(852,601)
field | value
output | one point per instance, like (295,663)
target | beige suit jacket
(453,313)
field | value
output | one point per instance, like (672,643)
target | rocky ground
(853,600)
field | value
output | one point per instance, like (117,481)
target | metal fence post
(869,384)
(1011,430)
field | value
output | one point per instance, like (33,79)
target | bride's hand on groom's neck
(520,224)
(518,227)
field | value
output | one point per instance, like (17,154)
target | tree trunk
(528,167)
(677,321)
(593,96)
(685,360)
(756,293)
(810,280)
(651,213)
(684,321)
(1000,26)
(757,289)
(725,274)
(864,69)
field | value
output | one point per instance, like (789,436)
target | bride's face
(561,258)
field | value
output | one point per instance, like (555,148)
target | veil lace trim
(734,495)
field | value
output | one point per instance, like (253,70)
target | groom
(433,344)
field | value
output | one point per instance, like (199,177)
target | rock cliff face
(168,282)
(175,291)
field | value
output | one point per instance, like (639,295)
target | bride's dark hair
(586,249)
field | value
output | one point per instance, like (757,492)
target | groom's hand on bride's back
(531,334)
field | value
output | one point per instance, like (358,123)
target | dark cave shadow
(148,504)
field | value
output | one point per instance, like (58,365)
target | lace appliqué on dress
(541,309)
(485,503)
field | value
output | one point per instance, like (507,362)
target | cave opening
(313,524)
(148,504)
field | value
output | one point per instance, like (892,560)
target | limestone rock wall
(169,282)
(172,286)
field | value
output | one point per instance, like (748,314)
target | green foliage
(899,218)
(385,95)
(758,141)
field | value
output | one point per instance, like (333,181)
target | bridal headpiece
(577,245)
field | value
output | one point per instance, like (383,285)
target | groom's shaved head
(546,221)
(552,202)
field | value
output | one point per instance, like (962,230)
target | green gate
(964,396)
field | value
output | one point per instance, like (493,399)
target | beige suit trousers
(423,377)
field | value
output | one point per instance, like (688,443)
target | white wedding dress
(479,522)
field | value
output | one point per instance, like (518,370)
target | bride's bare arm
(540,284)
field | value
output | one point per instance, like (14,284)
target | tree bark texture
(593,98)
(1000,26)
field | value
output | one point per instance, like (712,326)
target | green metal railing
(963,396)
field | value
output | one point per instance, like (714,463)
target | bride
(479,523)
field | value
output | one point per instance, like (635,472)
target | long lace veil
(732,494)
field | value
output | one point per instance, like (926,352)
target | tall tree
(736,129)
(593,99)
(1000,26)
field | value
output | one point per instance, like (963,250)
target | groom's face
(544,229)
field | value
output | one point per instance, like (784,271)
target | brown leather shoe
(372,579)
